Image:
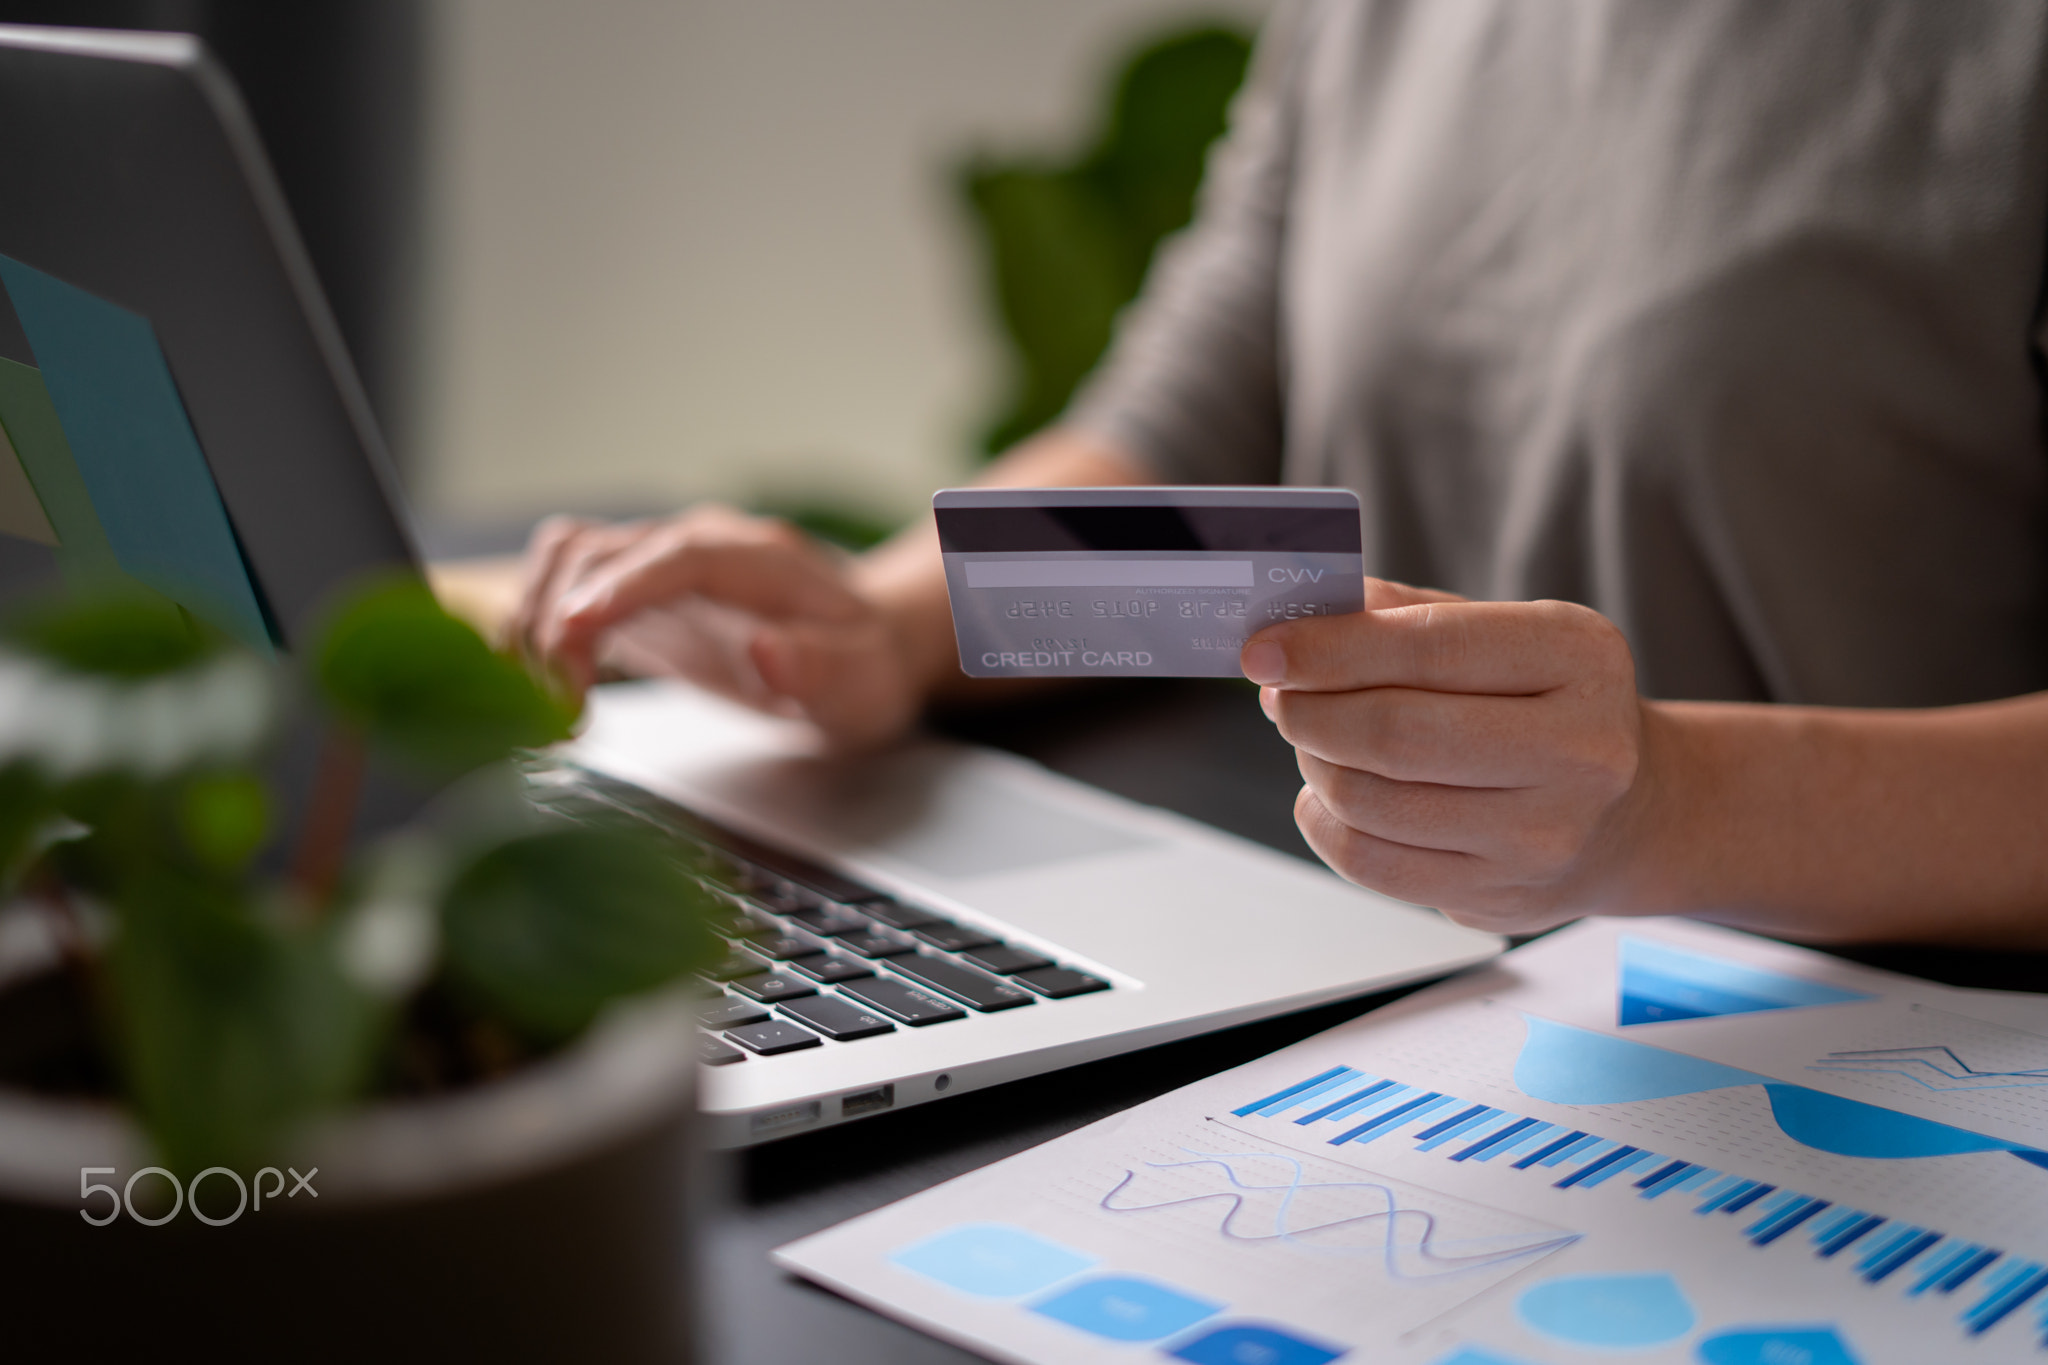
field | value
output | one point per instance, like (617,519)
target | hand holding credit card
(1149,582)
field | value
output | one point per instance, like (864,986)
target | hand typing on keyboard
(748,607)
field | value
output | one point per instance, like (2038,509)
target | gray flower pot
(540,1218)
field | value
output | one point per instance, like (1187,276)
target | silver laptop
(943,917)
(931,921)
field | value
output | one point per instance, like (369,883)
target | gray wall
(687,248)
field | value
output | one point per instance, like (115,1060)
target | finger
(752,568)
(697,639)
(1453,738)
(544,549)
(573,563)
(1504,648)
(1422,876)
(843,680)
(1381,593)
(764,567)
(1487,821)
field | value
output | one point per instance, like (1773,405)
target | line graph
(1936,1068)
(1271,1197)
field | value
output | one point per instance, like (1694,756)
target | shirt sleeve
(1191,384)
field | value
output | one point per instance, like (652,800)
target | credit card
(1152,582)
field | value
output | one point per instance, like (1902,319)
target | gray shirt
(1722,317)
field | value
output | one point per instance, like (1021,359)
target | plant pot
(543,1217)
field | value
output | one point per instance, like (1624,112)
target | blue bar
(1335,1073)
(1991,1312)
(1692,1175)
(1577,1151)
(1787,1221)
(1475,1112)
(1355,1097)
(1775,1205)
(1291,1091)
(1622,1167)
(1540,1133)
(1378,1104)
(1602,1164)
(1308,1092)
(1855,1230)
(1698,1177)
(1724,1193)
(1495,1140)
(1663,1173)
(1886,1245)
(1949,1258)
(1567,1140)
(1457,1128)
(1833,1223)
(1745,1199)
(1399,1111)
(1967,1271)
(1877,1273)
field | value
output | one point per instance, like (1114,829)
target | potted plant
(269,1090)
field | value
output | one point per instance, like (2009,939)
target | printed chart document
(1634,1140)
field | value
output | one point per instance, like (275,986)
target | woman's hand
(1486,758)
(746,606)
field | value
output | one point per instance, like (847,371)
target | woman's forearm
(1832,824)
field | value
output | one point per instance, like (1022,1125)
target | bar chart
(1344,1106)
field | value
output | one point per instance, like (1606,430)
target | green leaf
(127,635)
(224,817)
(26,807)
(231,1029)
(1067,241)
(550,928)
(424,684)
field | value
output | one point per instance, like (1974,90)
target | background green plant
(238,1001)
(1067,242)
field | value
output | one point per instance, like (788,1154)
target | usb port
(867,1101)
(796,1116)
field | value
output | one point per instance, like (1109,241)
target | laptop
(903,926)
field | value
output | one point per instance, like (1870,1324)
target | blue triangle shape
(1660,983)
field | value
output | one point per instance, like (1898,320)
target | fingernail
(1269,702)
(1264,662)
(579,601)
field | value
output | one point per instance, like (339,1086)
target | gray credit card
(1157,582)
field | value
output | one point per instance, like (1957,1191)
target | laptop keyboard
(812,956)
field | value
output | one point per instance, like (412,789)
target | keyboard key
(876,945)
(830,921)
(953,938)
(840,1020)
(1061,982)
(897,915)
(773,1037)
(726,1012)
(978,989)
(735,963)
(772,987)
(711,1052)
(1002,961)
(898,1001)
(783,947)
(751,924)
(829,967)
(783,897)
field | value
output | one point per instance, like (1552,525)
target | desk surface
(1200,748)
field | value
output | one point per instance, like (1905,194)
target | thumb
(1381,593)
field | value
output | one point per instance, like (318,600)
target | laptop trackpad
(928,809)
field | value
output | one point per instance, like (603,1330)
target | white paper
(1899,1126)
